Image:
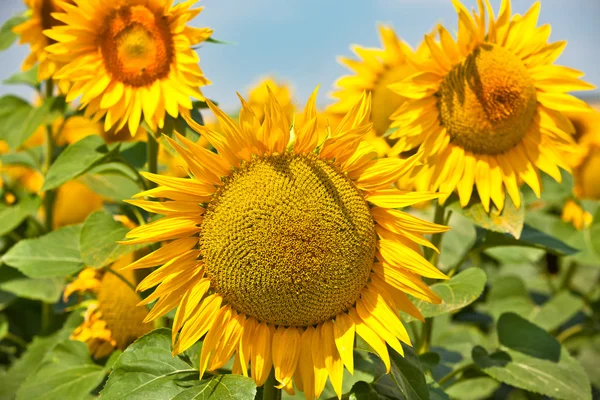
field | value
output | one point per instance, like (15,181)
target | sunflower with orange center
(129,59)
(282,247)
(487,107)
(40,13)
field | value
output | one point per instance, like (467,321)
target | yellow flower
(128,58)
(573,213)
(487,107)
(375,69)
(31,32)
(586,162)
(258,97)
(112,321)
(73,203)
(282,247)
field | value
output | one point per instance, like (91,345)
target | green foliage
(52,255)
(98,241)
(7,36)
(12,216)
(77,159)
(147,369)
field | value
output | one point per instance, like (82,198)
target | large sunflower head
(128,58)
(487,107)
(282,247)
(40,17)
(112,320)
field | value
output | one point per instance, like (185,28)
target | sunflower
(374,70)
(112,321)
(128,58)
(258,97)
(487,107)
(281,250)
(32,32)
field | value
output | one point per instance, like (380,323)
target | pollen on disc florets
(487,102)
(136,45)
(289,240)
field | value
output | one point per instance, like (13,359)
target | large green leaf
(13,112)
(408,375)
(11,379)
(516,333)
(111,180)
(147,369)
(11,217)
(530,237)
(222,387)
(54,254)
(7,36)
(561,380)
(77,159)
(48,112)
(98,241)
(28,78)
(531,359)
(16,284)
(458,292)
(559,309)
(481,387)
(66,372)
(457,241)
(29,157)
(510,220)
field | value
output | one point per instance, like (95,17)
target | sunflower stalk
(270,392)
(152,156)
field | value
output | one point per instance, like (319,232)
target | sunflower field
(431,231)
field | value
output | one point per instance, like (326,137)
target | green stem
(47,314)
(426,332)
(270,392)
(49,89)
(50,195)
(566,281)
(454,373)
(122,278)
(569,332)
(152,156)
(11,337)
(436,240)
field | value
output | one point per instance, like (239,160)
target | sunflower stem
(436,239)
(47,314)
(270,392)
(454,373)
(50,195)
(566,281)
(152,156)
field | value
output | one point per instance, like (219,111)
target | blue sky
(299,40)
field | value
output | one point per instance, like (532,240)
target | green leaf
(11,379)
(456,293)
(29,158)
(457,241)
(508,293)
(222,387)
(216,41)
(7,36)
(13,112)
(510,220)
(559,309)
(16,284)
(561,380)
(146,369)
(11,217)
(77,159)
(28,78)
(52,255)
(530,237)
(474,389)
(593,234)
(112,180)
(67,372)
(408,375)
(3,326)
(98,241)
(515,332)
(363,391)
(52,109)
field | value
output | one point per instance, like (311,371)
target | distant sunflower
(281,251)
(585,164)
(487,107)
(374,70)
(112,321)
(128,58)
(258,97)
(32,33)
